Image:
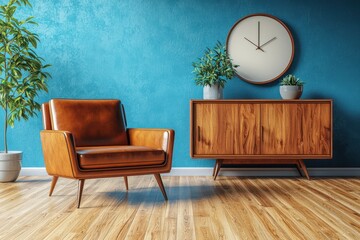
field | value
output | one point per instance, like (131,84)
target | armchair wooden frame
(61,155)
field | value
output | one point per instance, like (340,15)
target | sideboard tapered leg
(217,168)
(303,167)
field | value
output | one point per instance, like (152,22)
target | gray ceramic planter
(10,166)
(213,92)
(291,92)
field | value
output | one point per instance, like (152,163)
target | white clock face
(262,46)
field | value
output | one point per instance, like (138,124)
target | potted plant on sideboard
(22,77)
(213,70)
(291,87)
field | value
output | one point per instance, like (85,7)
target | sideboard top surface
(261,100)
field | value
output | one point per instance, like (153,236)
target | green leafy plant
(22,74)
(215,67)
(291,80)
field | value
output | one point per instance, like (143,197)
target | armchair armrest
(59,153)
(154,138)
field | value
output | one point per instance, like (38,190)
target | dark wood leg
(298,167)
(161,185)
(53,183)
(303,167)
(214,170)
(126,183)
(217,168)
(80,190)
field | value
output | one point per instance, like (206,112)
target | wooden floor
(198,208)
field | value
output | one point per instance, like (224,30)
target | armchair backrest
(91,122)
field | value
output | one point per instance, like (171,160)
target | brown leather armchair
(86,139)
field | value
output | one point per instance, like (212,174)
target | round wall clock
(262,46)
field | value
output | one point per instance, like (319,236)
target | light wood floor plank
(295,210)
(279,225)
(126,209)
(261,201)
(140,223)
(218,223)
(239,209)
(185,220)
(169,227)
(312,197)
(336,217)
(313,213)
(198,208)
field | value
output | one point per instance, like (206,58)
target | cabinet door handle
(198,133)
(262,133)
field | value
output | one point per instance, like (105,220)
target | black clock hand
(268,42)
(251,42)
(258,46)
(254,44)
(258,35)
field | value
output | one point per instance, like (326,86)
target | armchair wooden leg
(80,190)
(126,183)
(161,185)
(53,183)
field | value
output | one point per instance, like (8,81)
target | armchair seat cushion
(102,157)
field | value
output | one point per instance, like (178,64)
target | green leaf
(22,71)
(215,67)
(291,80)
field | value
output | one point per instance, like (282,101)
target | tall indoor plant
(22,77)
(213,70)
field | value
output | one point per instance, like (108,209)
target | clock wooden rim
(287,30)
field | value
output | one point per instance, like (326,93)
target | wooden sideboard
(261,131)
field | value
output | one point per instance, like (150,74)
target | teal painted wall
(141,52)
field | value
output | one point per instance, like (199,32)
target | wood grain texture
(287,129)
(296,129)
(226,128)
(198,208)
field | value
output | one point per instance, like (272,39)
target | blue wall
(141,52)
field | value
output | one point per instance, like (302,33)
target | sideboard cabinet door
(226,129)
(296,129)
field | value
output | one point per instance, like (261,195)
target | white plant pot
(10,166)
(291,92)
(213,92)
